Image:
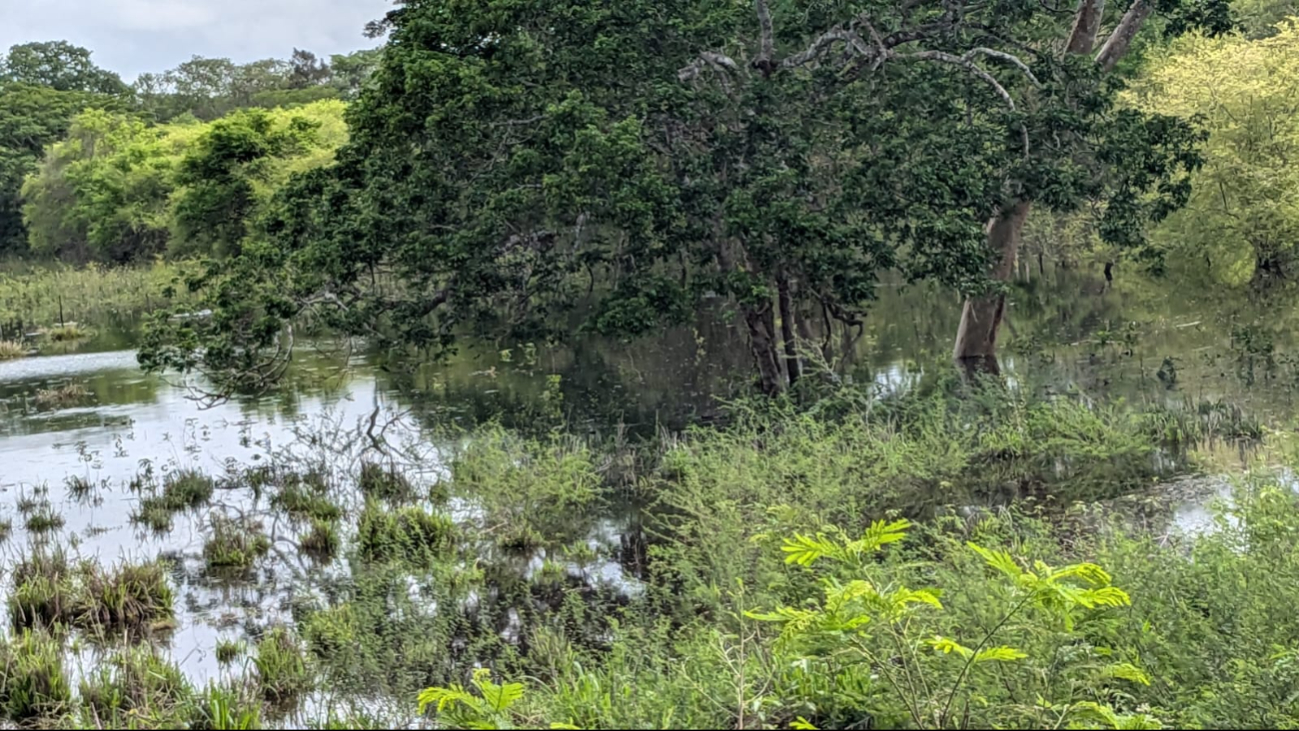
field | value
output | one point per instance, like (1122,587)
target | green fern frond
(999,560)
(1127,671)
(947,646)
(999,654)
(803,550)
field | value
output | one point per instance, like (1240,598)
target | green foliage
(33,681)
(227,651)
(322,540)
(234,543)
(133,598)
(489,708)
(58,65)
(405,534)
(137,686)
(1243,216)
(384,483)
(282,671)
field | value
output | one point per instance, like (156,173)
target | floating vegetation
(67,332)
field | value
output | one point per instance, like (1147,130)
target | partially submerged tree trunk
(976,338)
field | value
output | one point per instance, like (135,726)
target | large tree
(58,65)
(510,160)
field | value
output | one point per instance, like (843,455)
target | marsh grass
(44,520)
(322,541)
(234,543)
(301,501)
(67,332)
(136,685)
(186,489)
(406,534)
(60,397)
(93,294)
(225,707)
(79,488)
(227,651)
(130,598)
(33,680)
(385,483)
(11,349)
(282,671)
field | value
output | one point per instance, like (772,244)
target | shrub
(10,349)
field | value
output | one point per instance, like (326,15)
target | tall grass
(36,294)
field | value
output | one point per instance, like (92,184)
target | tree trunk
(976,339)
(761,323)
(787,318)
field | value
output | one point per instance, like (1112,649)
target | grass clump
(44,590)
(282,672)
(405,534)
(300,501)
(44,520)
(136,687)
(385,483)
(235,543)
(132,598)
(79,488)
(187,488)
(321,541)
(6,529)
(152,514)
(33,681)
(10,349)
(332,630)
(67,332)
(224,708)
(69,394)
(227,651)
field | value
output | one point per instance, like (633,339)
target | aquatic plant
(405,534)
(282,671)
(321,541)
(224,708)
(69,394)
(33,681)
(227,651)
(385,483)
(234,542)
(132,597)
(299,500)
(44,520)
(10,349)
(135,685)
(67,332)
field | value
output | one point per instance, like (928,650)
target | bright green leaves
(1060,592)
(491,708)
(804,550)
(948,646)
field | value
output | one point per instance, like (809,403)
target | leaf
(999,654)
(881,534)
(565,727)
(947,646)
(999,560)
(444,698)
(1127,671)
(803,550)
(501,697)
(802,724)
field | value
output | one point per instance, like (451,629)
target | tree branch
(1116,46)
(965,63)
(1007,57)
(706,58)
(1085,26)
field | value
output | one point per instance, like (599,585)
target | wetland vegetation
(687,364)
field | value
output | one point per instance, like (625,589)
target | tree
(511,161)
(349,72)
(1242,222)
(58,65)
(981,316)
(31,117)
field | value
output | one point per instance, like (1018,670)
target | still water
(1100,343)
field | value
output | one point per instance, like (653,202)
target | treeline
(92,168)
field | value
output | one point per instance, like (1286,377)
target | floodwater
(1099,343)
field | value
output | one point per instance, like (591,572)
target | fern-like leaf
(999,560)
(803,550)
(1127,671)
(947,646)
(998,654)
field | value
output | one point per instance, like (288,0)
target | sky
(133,36)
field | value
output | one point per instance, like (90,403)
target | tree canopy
(511,162)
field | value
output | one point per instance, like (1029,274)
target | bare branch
(823,43)
(1009,58)
(706,58)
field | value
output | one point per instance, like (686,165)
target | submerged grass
(234,543)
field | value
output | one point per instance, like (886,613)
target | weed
(224,708)
(385,483)
(227,651)
(321,541)
(406,534)
(69,394)
(135,683)
(298,500)
(79,488)
(332,630)
(33,681)
(6,529)
(133,598)
(187,488)
(67,332)
(44,520)
(10,349)
(235,543)
(152,514)
(282,672)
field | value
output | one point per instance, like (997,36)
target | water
(131,423)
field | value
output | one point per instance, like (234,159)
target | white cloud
(133,36)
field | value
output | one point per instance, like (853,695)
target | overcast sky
(133,36)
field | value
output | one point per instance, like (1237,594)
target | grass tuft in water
(44,593)
(227,651)
(224,708)
(385,483)
(406,534)
(235,543)
(300,501)
(67,332)
(332,630)
(135,687)
(44,520)
(321,541)
(69,394)
(282,672)
(33,681)
(79,488)
(132,598)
